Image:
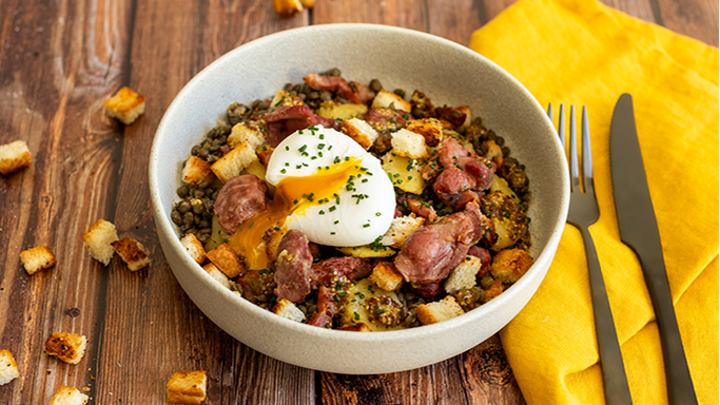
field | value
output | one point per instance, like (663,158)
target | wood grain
(58,62)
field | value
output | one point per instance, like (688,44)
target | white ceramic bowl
(399,58)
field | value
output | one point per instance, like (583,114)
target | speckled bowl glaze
(448,73)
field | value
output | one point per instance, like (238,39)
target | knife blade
(639,230)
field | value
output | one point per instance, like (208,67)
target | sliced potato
(404,173)
(356,309)
(331,109)
(218,236)
(500,184)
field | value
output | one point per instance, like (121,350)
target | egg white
(354,221)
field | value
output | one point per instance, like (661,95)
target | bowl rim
(164,224)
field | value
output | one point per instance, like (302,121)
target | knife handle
(680,386)
(611,363)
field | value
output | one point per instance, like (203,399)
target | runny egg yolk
(292,195)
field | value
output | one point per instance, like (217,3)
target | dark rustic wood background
(59,61)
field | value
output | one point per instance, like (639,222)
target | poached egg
(328,187)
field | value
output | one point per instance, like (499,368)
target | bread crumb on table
(14,156)
(37,258)
(187,387)
(68,347)
(68,396)
(8,367)
(98,241)
(126,105)
(132,252)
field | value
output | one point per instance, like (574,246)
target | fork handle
(611,363)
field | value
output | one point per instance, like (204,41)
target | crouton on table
(187,387)
(14,156)
(126,105)
(98,241)
(37,258)
(132,252)
(68,347)
(8,367)
(68,396)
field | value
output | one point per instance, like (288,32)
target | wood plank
(56,80)
(697,19)
(174,43)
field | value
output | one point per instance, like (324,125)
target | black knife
(639,230)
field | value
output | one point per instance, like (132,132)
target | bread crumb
(288,310)
(193,245)
(126,105)
(234,162)
(226,260)
(218,275)
(14,156)
(98,241)
(197,170)
(386,277)
(439,311)
(463,276)
(187,387)
(360,131)
(68,347)
(132,252)
(37,258)
(410,144)
(510,264)
(68,396)
(8,367)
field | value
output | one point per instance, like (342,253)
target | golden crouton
(126,105)
(132,252)
(360,131)
(98,239)
(68,347)
(288,310)
(386,277)
(197,170)
(218,275)
(226,260)
(272,239)
(37,258)
(468,117)
(463,276)
(194,247)
(410,144)
(400,229)
(493,149)
(495,289)
(234,162)
(8,367)
(187,387)
(251,132)
(341,111)
(14,156)
(68,396)
(438,311)
(509,265)
(390,100)
(287,8)
(430,128)
(283,98)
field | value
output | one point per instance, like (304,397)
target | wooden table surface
(59,61)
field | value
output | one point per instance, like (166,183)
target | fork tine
(561,125)
(550,113)
(586,153)
(574,170)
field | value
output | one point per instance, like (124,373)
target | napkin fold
(584,53)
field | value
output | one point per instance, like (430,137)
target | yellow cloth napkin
(582,52)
